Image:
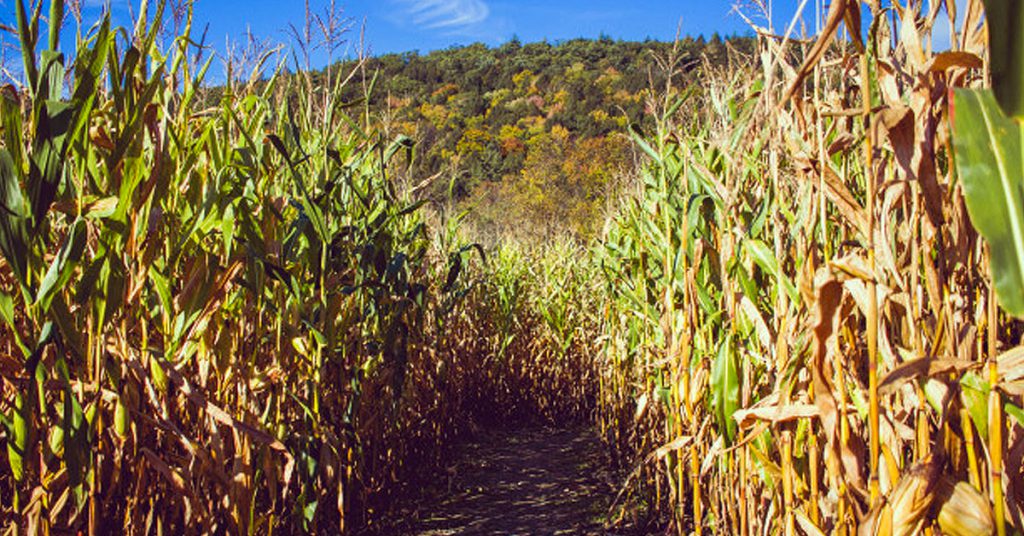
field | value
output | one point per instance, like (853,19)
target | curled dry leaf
(951,59)
(962,510)
(839,11)
(775,414)
(924,367)
(672,446)
(844,463)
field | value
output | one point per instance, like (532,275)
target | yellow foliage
(437,114)
(533,125)
(473,141)
(559,134)
(525,80)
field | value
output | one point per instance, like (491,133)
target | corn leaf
(1006,42)
(62,266)
(989,161)
(725,388)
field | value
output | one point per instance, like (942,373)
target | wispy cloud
(447,14)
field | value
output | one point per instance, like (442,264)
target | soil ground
(534,481)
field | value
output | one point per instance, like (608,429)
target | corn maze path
(537,481)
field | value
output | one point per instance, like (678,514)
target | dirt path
(537,481)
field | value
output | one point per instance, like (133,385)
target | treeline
(526,132)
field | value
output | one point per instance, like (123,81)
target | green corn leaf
(412,207)
(51,80)
(10,119)
(725,388)
(14,237)
(400,143)
(1014,411)
(7,313)
(88,70)
(110,290)
(56,22)
(153,26)
(45,337)
(62,266)
(1006,53)
(309,206)
(103,208)
(46,168)
(227,229)
(989,161)
(70,333)
(28,42)
(765,258)
(76,436)
(749,286)
(974,391)
(638,138)
(20,432)
(163,291)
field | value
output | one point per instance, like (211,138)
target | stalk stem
(995,418)
(872,316)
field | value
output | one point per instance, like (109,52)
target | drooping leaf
(765,258)
(989,161)
(725,388)
(62,266)
(1016,412)
(13,219)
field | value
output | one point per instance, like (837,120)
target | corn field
(802,334)
(227,318)
(231,317)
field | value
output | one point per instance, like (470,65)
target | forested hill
(526,132)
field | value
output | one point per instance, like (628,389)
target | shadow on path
(534,481)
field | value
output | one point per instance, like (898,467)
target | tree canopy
(530,132)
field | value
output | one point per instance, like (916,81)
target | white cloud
(447,14)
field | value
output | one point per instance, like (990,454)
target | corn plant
(221,313)
(799,308)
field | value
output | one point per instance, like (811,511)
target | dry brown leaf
(923,367)
(910,37)
(806,525)
(1010,364)
(837,14)
(944,61)
(749,309)
(161,467)
(838,193)
(775,414)
(829,297)
(853,265)
(672,446)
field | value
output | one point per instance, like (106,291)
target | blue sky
(425,25)
(394,25)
